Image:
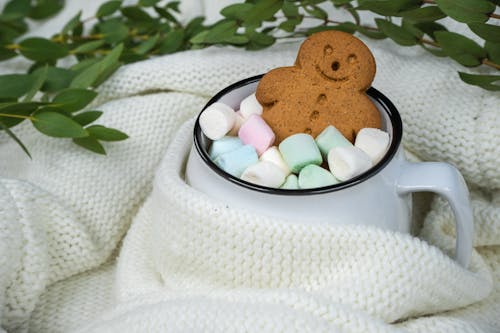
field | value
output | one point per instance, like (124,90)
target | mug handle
(445,180)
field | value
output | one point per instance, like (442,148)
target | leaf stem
(7,115)
(429,42)
(490,63)
(13,46)
(493,15)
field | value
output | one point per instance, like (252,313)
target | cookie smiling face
(344,61)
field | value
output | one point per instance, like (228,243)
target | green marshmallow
(331,138)
(313,176)
(299,150)
(291,183)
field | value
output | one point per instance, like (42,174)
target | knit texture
(189,263)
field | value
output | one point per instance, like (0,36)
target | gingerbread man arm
(272,85)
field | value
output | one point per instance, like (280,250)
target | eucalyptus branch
(55,99)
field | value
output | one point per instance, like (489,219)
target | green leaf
(260,38)
(6,53)
(84,64)
(108,71)
(72,24)
(493,50)
(165,14)
(290,9)
(341,2)
(108,8)
(488,32)
(194,26)
(87,117)
(40,49)
(114,31)
(57,125)
(148,3)
(461,49)
(290,24)
(483,81)
(57,79)
(467,11)
(217,34)
(15,85)
(396,33)
(106,134)
(237,11)
(90,144)
(172,42)
(15,138)
(435,51)
(262,11)
(174,5)
(90,75)
(18,7)
(147,45)
(19,111)
(135,13)
(355,15)
(348,27)
(430,28)
(424,14)
(387,7)
(39,76)
(89,46)
(71,100)
(316,12)
(408,26)
(45,8)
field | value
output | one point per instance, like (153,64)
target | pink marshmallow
(256,132)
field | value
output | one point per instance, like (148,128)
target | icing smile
(336,79)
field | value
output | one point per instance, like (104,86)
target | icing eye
(328,49)
(335,65)
(351,58)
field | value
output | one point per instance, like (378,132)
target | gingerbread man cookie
(326,86)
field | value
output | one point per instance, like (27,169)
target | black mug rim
(387,107)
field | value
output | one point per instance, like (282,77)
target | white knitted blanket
(190,263)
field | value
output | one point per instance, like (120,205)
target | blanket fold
(199,245)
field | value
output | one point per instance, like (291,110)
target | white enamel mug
(379,197)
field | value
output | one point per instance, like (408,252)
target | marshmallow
(312,176)
(299,150)
(236,161)
(372,141)
(330,138)
(264,173)
(291,182)
(239,120)
(250,106)
(348,162)
(224,145)
(217,120)
(273,155)
(256,132)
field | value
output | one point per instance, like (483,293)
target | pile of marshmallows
(242,145)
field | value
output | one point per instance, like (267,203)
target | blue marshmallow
(236,161)
(224,145)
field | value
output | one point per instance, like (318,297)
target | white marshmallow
(372,141)
(238,121)
(217,120)
(264,173)
(250,106)
(273,155)
(348,162)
